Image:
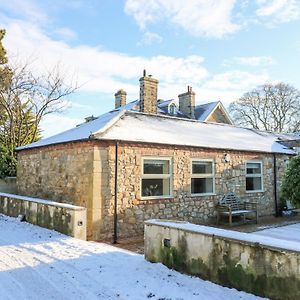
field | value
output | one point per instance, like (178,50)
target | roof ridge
(109,124)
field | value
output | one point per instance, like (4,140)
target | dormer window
(172,109)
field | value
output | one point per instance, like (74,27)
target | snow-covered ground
(285,233)
(37,263)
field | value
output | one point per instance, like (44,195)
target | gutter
(275,186)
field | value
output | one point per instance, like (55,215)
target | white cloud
(211,18)
(105,71)
(278,11)
(66,33)
(25,9)
(253,61)
(98,69)
(55,123)
(150,38)
(236,80)
(229,86)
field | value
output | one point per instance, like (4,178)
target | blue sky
(221,48)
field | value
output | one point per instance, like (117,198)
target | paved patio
(274,225)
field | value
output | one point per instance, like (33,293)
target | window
(156,177)
(254,176)
(203,179)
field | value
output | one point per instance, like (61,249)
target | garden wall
(263,266)
(8,185)
(65,218)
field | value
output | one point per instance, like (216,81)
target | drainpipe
(116,196)
(275,186)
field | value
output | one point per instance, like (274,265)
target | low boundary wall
(65,218)
(256,264)
(8,185)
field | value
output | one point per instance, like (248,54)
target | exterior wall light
(226,158)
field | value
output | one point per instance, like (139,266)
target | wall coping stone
(247,238)
(42,201)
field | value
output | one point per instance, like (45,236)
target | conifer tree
(290,188)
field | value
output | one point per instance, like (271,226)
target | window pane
(202,185)
(253,184)
(156,166)
(253,168)
(155,187)
(201,167)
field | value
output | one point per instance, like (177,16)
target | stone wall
(148,94)
(83,174)
(133,211)
(65,218)
(187,103)
(65,173)
(265,267)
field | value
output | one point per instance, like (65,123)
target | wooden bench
(230,205)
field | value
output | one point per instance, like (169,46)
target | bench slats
(230,205)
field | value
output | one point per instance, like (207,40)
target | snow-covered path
(36,263)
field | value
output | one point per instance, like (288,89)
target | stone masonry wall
(83,174)
(132,211)
(64,173)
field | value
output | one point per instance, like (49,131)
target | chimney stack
(187,103)
(120,98)
(148,94)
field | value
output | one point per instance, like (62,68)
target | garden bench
(230,206)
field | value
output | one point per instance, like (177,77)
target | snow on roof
(80,132)
(121,124)
(140,127)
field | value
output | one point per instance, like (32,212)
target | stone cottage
(153,159)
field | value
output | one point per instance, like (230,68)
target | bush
(290,188)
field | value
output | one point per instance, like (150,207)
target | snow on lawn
(37,263)
(286,233)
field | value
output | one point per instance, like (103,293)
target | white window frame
(157,176)
(261,175)
(203,176)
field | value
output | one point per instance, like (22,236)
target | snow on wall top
(121,124)
(230,234)
(134,126)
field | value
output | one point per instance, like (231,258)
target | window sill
(203,195)
(156,198)
(255,191)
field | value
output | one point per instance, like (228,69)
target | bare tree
(28,98)
(23,104)
(269,107)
